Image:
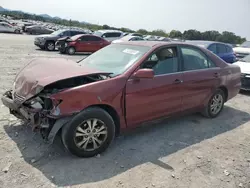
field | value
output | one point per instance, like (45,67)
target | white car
(128,38)
(243,50)
(109,35)
(7,28)
(244,65)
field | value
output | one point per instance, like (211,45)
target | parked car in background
(47,42)
(163,39)
(224,51)
(135,34)
(37,29)
(7,28)
(118,87)
(244,65)
(150,38)
(128,38)
(109,35)
(82,43)
(242,50)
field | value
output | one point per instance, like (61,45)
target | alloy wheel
(71,51)
(51,46)
(216,104)
(90,134)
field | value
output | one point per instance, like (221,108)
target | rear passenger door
(200,77)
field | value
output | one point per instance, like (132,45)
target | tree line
(192,34)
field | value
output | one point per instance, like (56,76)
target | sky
(202,15)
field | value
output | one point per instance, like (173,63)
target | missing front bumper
(49,127)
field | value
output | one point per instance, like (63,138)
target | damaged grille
(18,98)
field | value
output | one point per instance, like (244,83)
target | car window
(113,34)
(73,33)
(66,33)
(229,49)
(93,38)
(221,48)
(163,61)
(212,48)
(194,59)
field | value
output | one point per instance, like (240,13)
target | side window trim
(195,48)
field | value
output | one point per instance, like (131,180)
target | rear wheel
(215,104)
(89,133)
(50,46)
(71,50)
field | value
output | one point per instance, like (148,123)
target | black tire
(69,132)
(17,31)
(71,50)
(50,46)
(208,111)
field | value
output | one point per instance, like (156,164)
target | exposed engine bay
(73,82)
(41,110)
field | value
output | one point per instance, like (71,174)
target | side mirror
(144,73)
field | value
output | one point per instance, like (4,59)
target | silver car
(7,28)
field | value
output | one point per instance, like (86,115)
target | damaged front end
(41,111)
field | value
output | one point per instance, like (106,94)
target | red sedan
(82,43)
(118,87)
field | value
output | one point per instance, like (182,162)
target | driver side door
(148,99)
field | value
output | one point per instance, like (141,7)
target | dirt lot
(191,151)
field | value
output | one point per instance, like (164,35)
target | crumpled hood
(244,66)
(241,50)
(41,72)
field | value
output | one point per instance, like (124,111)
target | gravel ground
(190,151)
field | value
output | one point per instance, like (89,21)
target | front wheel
(71,50)
(89,133)
(215,104)
(50,46)
(17,31)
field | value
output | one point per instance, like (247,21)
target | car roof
(109,31)
(152,43)
(204,43)
(128,37)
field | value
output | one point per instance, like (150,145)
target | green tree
(175,34)
(159,32)
(142,31)
(192,34)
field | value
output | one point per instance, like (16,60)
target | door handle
(216,75)
(178,81)
(88,43)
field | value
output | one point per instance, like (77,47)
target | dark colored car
(47,42)
(37,30)
(81,43)
(118,87)
(223,50)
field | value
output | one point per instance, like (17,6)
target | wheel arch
(112,112)
(225,90)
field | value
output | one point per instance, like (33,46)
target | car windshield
(245,44)
(98,33)
(246,59)
(57,32)
(115,58)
